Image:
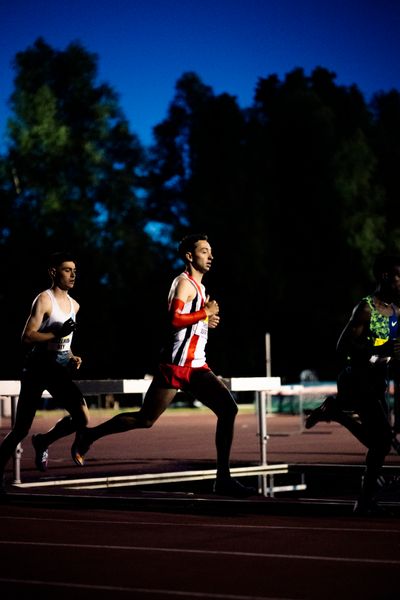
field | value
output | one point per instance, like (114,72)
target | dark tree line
(297,192)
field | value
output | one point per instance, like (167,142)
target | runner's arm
(184,293)
(40,309)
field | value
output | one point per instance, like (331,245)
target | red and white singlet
(189,343)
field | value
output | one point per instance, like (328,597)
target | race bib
(201,328)
(60,345)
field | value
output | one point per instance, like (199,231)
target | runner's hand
(211,307)
(75,361)
(213,321)
(66,328)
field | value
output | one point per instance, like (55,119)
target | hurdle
(261,386)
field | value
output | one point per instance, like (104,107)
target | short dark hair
(57,258)
(384,263)
(188,244)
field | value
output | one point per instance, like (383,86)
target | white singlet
(57,317)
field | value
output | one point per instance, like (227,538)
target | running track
(81,554)
(140,544)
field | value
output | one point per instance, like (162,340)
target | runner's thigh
(212,392)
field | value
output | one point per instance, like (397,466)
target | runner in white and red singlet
(183,366)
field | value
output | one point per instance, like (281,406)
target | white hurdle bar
(261,386)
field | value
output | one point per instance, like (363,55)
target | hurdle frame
(262,387)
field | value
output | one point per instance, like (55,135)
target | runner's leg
(30,395)
(214,394)
(156,400)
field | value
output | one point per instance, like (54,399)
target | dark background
(298,193)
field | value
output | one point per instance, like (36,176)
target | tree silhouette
(71,179)
(297,192)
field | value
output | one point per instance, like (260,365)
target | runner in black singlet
(366,348)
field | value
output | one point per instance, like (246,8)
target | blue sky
(144,46)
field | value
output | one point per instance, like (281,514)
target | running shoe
(78,450)
(389,483)
(41,453)
(325,412)
(370,508)
(232,487)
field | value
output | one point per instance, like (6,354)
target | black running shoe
(41,453)
(370,508)
(232,487)
(389,483)
(325,412)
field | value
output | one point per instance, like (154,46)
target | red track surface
(151,545)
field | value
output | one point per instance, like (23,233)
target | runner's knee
(138,420)
(83,419)
(234,409)
(228,410)
(145,422)
(79,414)
(21,432)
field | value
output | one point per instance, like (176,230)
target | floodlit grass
(111,412)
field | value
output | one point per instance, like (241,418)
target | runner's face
(202,256)
(65,275)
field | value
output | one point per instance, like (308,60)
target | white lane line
(205,525)
(161,592)
(103,547)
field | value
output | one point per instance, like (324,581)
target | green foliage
(288,192)
(297,192)
(69,140)
(362,199)
(71,179)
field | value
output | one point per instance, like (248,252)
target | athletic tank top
(60,348)
(382,328)
(186,346)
